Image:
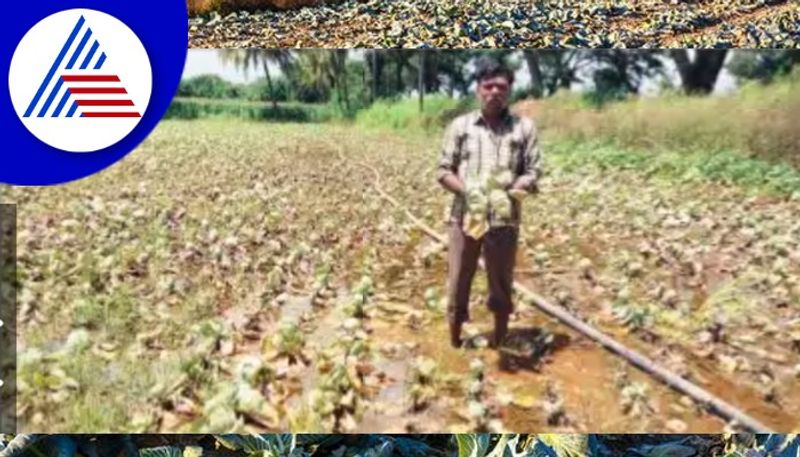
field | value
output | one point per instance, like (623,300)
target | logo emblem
(80,80)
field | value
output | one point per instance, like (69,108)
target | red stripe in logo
(90,78)
(104,102)
(98,90)
(110,114)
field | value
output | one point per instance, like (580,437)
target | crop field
(417,445)
(510,23)
(245,276)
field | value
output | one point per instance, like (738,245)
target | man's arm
(449,161)
(530,165)
(453,183)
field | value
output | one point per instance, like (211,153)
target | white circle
(105,120)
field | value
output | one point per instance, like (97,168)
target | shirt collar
(506,117)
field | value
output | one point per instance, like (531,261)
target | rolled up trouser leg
(499,253)
(463,254)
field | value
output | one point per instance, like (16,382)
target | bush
(757,121)
(404,114)
(258,91)
(209,108)
(727,167)
(207,86)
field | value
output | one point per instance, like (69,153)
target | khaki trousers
(499,246)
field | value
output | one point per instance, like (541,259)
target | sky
(206,61)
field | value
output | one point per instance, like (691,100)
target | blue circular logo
(87,82)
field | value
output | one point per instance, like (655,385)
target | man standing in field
(489,160)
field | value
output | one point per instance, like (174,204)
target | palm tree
(314,68)
(323,70)
(248,58)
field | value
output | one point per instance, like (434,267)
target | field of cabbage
(506,24)
(233,276)
(377,445)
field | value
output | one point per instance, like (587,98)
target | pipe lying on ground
(713,403)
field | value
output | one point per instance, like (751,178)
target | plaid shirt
(472,150)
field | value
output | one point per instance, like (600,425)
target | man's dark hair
(489,67)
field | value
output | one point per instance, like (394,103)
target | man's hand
(453,183)
(517,194)
(522,186)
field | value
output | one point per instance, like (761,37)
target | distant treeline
(353,80)
(759,120)
(202,108)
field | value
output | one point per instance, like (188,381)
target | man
(485,214)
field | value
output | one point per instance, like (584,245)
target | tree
(400,62)
(763,65)
(623,71)
(375,60)
(312,70)
(445,70)
(247,58)
(531,57)
(339,61)
(421,56)
(554,69)
(699,73)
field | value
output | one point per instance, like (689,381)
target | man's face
(493,93)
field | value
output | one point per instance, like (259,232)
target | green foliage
(267,445)
(757,120)
(259,91)
(377,445)
(472,445)
(208,86)
(422,382)
(289,341)
(188,108)
(763,66)
(725,166)
(509,445)
(404,114)
(602,96)
(162,451)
